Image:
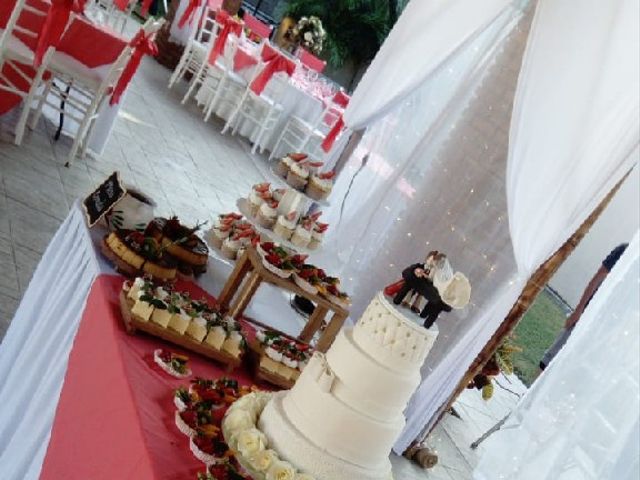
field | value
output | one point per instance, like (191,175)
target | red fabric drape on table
(142,45)
(115,416)
(257,26)
(229,26)
(121,4)
(54,26)
(311,61)
(189,13)
(275,63)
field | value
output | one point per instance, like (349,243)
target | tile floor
(188,168)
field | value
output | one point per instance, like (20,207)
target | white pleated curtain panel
(580,142)
(580,420)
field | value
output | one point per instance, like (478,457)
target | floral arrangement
(250,445)
(501,361)
(309,34)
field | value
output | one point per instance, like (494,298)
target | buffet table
(82,398)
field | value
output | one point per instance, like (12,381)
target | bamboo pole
(531,290)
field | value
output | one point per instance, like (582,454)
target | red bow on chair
(327,143)
(189,13)
(229,25)
(142,45)
(276,62)
(54,26)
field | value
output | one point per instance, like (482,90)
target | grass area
(535,333)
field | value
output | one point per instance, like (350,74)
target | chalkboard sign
(103,198)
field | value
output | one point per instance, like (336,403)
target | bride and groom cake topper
(431,287)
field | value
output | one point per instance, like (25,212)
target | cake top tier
(391,338)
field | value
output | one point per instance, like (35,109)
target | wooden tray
(257,352)
(133,324)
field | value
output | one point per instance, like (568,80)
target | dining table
(84,42)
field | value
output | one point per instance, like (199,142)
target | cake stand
(243,208)
(282,182)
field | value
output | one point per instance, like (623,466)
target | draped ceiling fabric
(580,419)
(432,173)
(426,34)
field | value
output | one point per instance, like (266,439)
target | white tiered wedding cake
(344,413)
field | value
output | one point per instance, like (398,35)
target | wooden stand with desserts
(247,276)
(134,324)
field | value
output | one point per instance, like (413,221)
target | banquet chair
(200,41)
(300,135)
(78,92)
(14,51)
(263,110)
(106,12)
(310,61)
(257,27)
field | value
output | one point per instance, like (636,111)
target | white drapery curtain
(435,173)
(425,36)
(580,419)
(575,122)
(574,134)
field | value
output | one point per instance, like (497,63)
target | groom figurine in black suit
(418,278)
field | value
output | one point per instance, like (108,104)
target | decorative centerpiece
(431,287)
(308,33)
(133,212)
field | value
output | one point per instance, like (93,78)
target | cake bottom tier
(293,447)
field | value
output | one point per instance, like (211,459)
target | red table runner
(115,416)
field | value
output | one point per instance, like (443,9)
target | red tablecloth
(115,417)
(91,45)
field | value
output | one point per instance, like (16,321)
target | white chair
(196,52)
(13,52)
(221,84)
(300,135)
(264,110)
(106,13)
(78,91)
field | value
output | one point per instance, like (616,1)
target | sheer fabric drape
(580,418)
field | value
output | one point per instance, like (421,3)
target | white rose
(250,441)
(261,461)
(304,476)
(281,471)
(237,420)
(308,36)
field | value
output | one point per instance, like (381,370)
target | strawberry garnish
(327,175)
(321,227)
(268,246)
(316,216)
(190,417)
(297,157)
(315,164)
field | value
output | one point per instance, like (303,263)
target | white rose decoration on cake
(262,461)
(281,471)
(250,441)
(238,420)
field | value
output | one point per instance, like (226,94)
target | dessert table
(80,397)
(250,273)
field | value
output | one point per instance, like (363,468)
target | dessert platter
(344,413)
(279,358)
(173,316)
(311,279)
(200,408)
(268,212)
(302,174)
(230,236)
(165,249)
